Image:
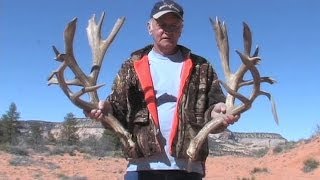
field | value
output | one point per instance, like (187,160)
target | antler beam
(88,83)
(234,81)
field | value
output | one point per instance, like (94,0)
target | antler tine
(223,44)
(86,106)
(262,79)
(99,46)
(234,82)
(247,39)
(221,36)
(69,57)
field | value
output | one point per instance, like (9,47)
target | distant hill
(243,144)
(225,143)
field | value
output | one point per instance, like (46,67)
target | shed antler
(234,82)
(89,83)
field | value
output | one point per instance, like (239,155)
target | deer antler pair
(99,48)
(234,82)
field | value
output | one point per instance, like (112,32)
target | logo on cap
(169,6)
(164,7)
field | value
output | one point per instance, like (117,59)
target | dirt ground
(280,166)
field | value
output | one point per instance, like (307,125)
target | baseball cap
(166,6)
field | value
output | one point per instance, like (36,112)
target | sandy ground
(282,166)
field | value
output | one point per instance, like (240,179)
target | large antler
(234,82)
(89,83)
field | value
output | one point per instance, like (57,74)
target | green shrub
(9,125)
(259,170)
(69,135)
(5,147)
(18,150)
(65,177)
(261,152)
(316,131)
(277,149)
(244,178)
(310,165)
(21,161)
(64,149)
(284,147)
(107,145)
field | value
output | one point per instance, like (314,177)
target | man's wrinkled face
(166,31)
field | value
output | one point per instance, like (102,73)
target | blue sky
(286,31)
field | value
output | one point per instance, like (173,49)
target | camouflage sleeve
(215,95)
(119,95)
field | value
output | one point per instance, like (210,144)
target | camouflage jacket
(134,103)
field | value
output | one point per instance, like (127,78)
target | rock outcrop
(244,144)
(225,143)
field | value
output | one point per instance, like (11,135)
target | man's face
(166,32)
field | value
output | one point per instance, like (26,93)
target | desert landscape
(286,165)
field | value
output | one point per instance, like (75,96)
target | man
(163,95)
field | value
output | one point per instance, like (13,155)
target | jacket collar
(138,54)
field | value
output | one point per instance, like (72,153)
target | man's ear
(149,26)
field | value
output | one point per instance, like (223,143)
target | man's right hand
(104,107)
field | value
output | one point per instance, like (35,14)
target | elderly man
(163,95)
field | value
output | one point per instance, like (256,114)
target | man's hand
(104,107)
(220,111)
